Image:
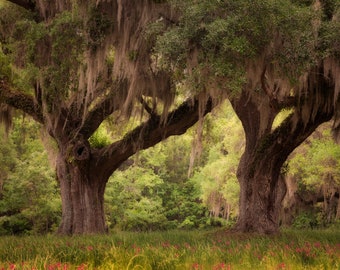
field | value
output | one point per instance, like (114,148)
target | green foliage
(97,26)
(229,34)
(100,137)
(145,215)
(329,42)
(29,200)
(133,200)
(316,161)
(7,156)
(61,73)
(216,181)
(316,167)
(306,220)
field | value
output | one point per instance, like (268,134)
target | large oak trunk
(82,194)
(262,190)
(262,187)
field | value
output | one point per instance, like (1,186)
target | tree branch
(20,101)
(96,116)
(150,133)
(26,4)
(103,109)
(277,105)
(145,105)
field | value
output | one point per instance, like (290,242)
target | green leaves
(133,197)
(316,161)
(100,138)
(29,200)
(221,37)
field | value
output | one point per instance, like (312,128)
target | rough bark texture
(82,195)
(261,185)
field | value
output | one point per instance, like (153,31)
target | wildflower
(281,266)
(196,266)
(81,267)
(166,244)
(89,248)
(317,244)
(54,266)
(247,246)
(176,247)
(287,247)
(137,250)
(222,266)
(12,266)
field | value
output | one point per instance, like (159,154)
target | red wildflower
(281,266)
(81,267)
(222,266)
(317,244)
(196,266)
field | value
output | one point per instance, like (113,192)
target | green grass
(215,250)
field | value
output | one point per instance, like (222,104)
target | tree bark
(82,189)
(261,193)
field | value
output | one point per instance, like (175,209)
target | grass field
(215,250)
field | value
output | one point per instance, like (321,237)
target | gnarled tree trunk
(262,191)
(82,192)
(262,188)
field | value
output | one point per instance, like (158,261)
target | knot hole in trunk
(81,151)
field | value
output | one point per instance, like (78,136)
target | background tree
(29,201)
(70,65)
(216,178)
(314,169)
(155,192)
(268,56)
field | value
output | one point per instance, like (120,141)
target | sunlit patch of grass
(215,250)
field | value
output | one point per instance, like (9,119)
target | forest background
(168,186)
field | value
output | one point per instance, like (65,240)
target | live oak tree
(268,56)
(72,64)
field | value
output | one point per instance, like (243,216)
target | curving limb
(26,4)
(151,132)
(20,101)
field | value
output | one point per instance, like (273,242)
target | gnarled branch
(26,4)
(20,101)
(146,107)
(103,109)
(152,132)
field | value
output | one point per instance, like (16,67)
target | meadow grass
(215,250)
